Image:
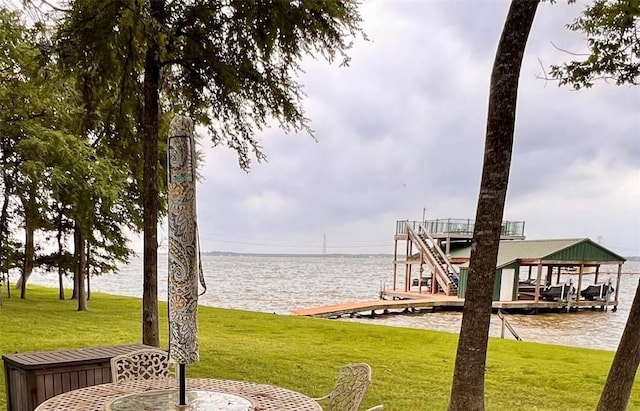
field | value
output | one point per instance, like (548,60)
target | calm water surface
(283,284)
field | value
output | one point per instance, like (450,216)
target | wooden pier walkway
(412,302)
(385,306)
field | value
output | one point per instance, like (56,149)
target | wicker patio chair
(141,364)
(350,388)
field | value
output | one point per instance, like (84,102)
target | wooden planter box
(32,378)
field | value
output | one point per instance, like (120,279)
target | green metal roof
(570,250)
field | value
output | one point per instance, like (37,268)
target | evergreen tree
(230,65)
(57,171)
(23,104)
(10,36)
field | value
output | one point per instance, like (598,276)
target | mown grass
(412,369)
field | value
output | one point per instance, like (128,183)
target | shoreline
(282,285)
(393,320)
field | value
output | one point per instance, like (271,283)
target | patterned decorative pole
(183,248)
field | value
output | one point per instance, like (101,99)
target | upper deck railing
(458,226)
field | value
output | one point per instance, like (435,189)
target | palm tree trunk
(467,392)
(617,390)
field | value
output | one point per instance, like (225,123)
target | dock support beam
(615,307)
(407,265)
(538,279)
(410,249)
(579,283)
(395,263)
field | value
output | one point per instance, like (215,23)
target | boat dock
(439,252)
(409,303)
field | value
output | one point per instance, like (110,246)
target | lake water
(280,285)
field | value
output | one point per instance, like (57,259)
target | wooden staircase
(432,255)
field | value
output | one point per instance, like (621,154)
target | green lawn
(411,368)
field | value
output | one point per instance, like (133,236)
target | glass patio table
(162,395)
(167,400)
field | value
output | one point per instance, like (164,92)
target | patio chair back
(141,364)
(350,388)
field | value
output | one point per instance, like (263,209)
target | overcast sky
(402,129)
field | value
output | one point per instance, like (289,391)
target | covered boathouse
(530,274)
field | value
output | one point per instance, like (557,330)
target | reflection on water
(282,284)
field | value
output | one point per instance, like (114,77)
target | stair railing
(441,276)
(422,230)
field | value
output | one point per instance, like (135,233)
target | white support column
(538,278)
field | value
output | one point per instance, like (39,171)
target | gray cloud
(402,129)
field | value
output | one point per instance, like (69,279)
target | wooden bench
(32,378)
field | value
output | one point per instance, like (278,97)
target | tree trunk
(88,271)
(30,213)
(467,392)
(4,236)
(76,259)
(4,231)
(80,268)
(29,251)
(617,390)
(74,291)
(60,253)
(60,284)
(150,328)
